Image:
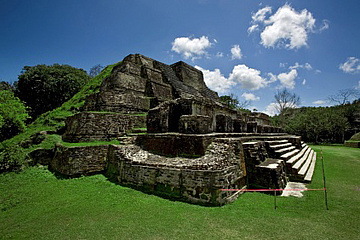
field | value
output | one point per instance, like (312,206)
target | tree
(6,86)
(44,88)
(12,115)
(344,96)
(233,102)
(95,70)
(285,100)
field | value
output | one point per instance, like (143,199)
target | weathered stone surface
(194,78)
(224,123)
(251,127)
(76,161)
(194,180)
(195,124)
(271,174)
(42,156)
(90,126)
(354,144)
(175,144)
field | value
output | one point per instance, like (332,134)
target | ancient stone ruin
(177,139)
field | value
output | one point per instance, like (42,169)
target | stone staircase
(300,163)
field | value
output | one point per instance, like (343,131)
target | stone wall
(77,161)
(90,126)
(354,144)
(193,180)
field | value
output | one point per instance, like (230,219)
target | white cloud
(286,27)
(273,78)
(287,80)
(250,97)
(260,15)
(271,109)
(319,102)
(326,25)
(253,28)
(236,52)
(249,78)
(283,65)
(306,66)
(304,82)
(215,80)
(358,86)
(352,65)
(193,48)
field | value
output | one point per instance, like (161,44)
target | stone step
(288,155)
(276,142)
(270,163)
(301,161)
(297,156)
(311,169)
(306,165)
(284,145)
(285,150)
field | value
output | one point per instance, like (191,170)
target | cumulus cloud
(236,52)
(248,78)
(352,65)
(287,80)
(250,97)
(215,80)
(319,102)
(193,48)
(287,27)
(271,109)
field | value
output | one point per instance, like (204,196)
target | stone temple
(177,140)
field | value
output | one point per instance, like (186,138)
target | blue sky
(249,48)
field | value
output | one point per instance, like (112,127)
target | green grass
(34,204)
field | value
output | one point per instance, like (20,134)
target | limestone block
(77,161)
(125,102)
(128,68)
(195,124)
(151,74)
(161,91)
(124,81)
(88,126)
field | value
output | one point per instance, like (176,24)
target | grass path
(36,205)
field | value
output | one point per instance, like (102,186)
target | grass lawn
(34,204)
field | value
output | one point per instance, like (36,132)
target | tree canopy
(12,115)
(44,88)
(285,100)
(232,102)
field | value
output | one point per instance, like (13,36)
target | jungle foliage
(44,88)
